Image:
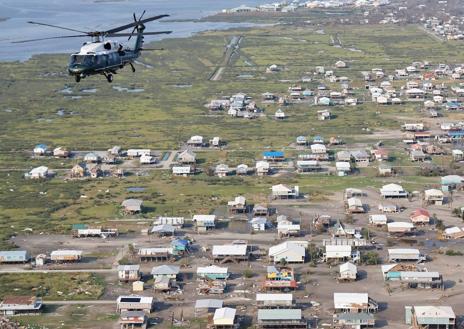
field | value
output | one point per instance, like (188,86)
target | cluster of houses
(298,5)
(423,83)
(450,29)
(239,105)
(92,164)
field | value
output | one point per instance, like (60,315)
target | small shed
(138,286)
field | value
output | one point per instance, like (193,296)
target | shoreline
(244,26)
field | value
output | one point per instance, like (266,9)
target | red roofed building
(380,154)
(420,217)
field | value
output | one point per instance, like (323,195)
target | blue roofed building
(456,134)
(180,246)
(273,156)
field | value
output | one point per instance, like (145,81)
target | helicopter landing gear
(109,77)
(78,78)
(132,67)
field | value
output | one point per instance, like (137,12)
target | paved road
(231,49)
(97,270)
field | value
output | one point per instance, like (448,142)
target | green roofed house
(281,318)
(354,320)
(14,256)
(80,226)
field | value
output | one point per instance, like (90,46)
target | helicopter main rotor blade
(57,27)
(50,38)
(127,26)
(144,33)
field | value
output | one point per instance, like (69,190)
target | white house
(348,271)
(38,172)
(262,168)
(342,167)
(400,227)
(291,252)
(40,149)
(147,159)
(434,196)
(182,170)
(338,252)
(259,223)
(393,191)
(318,149)
(205,221)
(282,191)
(224,317)
(134,153)
(354,303)
(196,141)
(378,219)
(280,115)
(222,170)
(404,254)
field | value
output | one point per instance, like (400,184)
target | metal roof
(274,297)
(434,312)
(273,154)
(128,267)
(165,270)
(65,252)
(279,314)
(208,303)
(213,269)
(13,254)
(343,300)
(224,313)
(230,249)
(404,251)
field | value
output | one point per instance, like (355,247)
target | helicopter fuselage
(100,57)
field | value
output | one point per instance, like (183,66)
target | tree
(370,258)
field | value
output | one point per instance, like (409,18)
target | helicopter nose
(75,69)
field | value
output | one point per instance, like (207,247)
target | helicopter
(105,57)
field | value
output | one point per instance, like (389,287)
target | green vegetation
(53,286)
(87,316)
(34,109)
(451,252)
(370,258)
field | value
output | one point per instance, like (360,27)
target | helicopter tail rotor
(138,24)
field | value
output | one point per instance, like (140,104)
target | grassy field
(52,286)
(87,316)
(34,109)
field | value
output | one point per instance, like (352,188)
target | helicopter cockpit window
(82,59)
